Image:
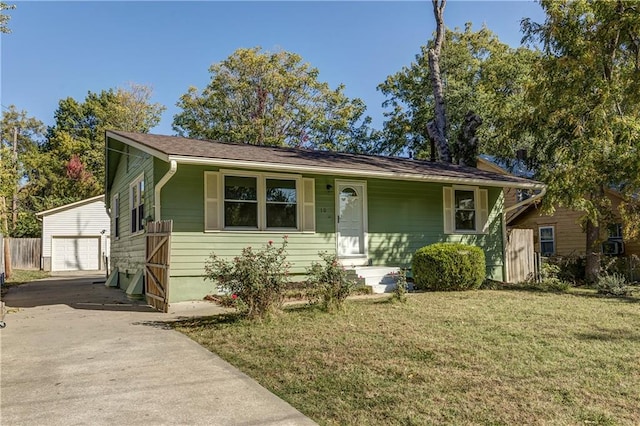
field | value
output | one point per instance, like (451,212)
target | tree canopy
(480,74)
(4,19)
(28,133)
(275,99)
(66,163)
(584,109)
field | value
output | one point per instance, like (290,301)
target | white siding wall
(84,220)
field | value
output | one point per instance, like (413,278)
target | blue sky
(61,49)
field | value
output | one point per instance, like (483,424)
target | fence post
(1,260)
(7,258)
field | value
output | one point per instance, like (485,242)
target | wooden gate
(520,255)
(158,252)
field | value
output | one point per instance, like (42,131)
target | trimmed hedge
(448,266)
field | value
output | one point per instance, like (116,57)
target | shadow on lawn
(213,321)
(573,291)
(610,335)
(590,294)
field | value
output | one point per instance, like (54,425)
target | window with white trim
(258,201)
(614,245)
(281,203)
(464,204)
(241,202)
(615,231)
(547,237)
(115,213)
(136,204)
(466,210)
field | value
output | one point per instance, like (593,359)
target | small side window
(136,204)
(547,240)
(115,214)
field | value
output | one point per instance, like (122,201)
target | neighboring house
(75,237)
(561,233)
(223,197)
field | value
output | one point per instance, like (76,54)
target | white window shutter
(483,211)
(308,205)
(447,202)
(211,201)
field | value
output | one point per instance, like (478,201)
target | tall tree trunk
(437,127)
(467,144)
(592,268)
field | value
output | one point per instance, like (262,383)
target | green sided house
(373,211)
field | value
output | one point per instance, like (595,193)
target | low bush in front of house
(448,266)
(401,288)
(550,280)
(613,285)
(329,282)
(255,279)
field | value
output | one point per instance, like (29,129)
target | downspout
(535,198)
(173,166)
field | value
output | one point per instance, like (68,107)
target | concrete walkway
(77,353)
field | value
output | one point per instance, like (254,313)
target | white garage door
(75,254)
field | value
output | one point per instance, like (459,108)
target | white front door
(350,218)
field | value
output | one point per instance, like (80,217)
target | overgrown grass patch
(22,276)
(482,357)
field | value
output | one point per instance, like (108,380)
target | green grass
(480,357)
(21,276)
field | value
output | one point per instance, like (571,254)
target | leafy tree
(28,132)
(74,148)
(68,164)
(4,19)
(585,108)
(272,99)
(479,74)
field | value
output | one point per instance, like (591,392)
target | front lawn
(479,357)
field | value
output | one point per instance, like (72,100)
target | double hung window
(547,240)
(115,213)
(136,204)
(258,201)
(466,210)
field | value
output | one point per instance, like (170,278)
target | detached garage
(75,237)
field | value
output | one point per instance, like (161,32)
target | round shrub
(448,266)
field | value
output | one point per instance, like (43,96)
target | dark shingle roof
(317,161)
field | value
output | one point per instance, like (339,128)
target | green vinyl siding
(182,197)
(402,217)
(405,216)
(182,201)
(128,251)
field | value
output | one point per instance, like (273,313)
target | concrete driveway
(76,353)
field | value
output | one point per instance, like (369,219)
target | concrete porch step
(382,279)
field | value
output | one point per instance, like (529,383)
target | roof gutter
(531,200)
(173,167)
(345,172)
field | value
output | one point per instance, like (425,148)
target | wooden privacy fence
(520,255)
(25,252)
(156,271)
